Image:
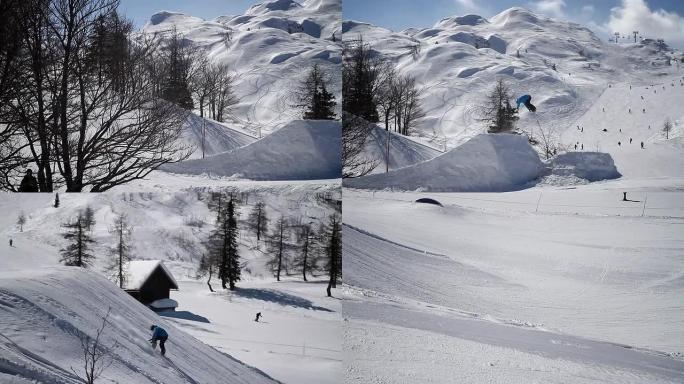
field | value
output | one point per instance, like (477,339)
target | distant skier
(630,140)
(619,144)
(28,183)
(258,316)
(575,147)
(583,146)
(526,100)
(159,334)
(624,196)
(642,145)
(11,242)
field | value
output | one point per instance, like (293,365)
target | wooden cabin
(149,281)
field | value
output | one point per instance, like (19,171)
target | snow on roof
(140,270)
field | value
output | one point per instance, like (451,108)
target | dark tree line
(79,101)
(292,246)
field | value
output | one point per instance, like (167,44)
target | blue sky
(664,18)
(140,10)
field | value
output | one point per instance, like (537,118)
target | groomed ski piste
(531,270)
(45,306)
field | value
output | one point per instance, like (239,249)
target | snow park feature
(492,163)
(302,150)
(555,255)
(47,309)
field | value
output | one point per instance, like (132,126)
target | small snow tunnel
(427,200)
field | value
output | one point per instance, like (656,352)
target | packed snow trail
(547,344)
(408,287)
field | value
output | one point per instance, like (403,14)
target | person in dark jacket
(28,183)
(159,334)
(258,316)
(526,100)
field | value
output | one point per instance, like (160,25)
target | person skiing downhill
(258,316)
(158,334)
(525,99)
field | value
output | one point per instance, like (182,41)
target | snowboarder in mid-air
(526,100)
(159,334)
(28,183)
(258,316)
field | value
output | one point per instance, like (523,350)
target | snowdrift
(218,138)
(592,166)
(486,163)
(302,150)
(41,320)
(403,151)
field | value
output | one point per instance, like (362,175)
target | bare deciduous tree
(355,131)
(96,357)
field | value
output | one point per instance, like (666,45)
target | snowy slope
(173,227)
(271,48)
(403,151)
(574,293)
(461,57)
(650,106)
(489,162)
(218,138)
(302,150)
(41,320)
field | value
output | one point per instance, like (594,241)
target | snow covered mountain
(580,84)
(269,49)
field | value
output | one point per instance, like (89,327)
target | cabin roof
(141,270)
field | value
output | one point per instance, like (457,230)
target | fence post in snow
(644,208)
(538,201)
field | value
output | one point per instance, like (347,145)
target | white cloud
(635,15)
(553,8)
(468,6)
(588,9)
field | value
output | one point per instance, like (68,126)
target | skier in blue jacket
(526,100)
(159,334)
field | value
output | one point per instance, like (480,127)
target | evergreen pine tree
(334,252)
(232,258)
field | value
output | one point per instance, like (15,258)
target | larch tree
(79,242)
(121,252)
(279,247)
(258,220)
(305,261)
